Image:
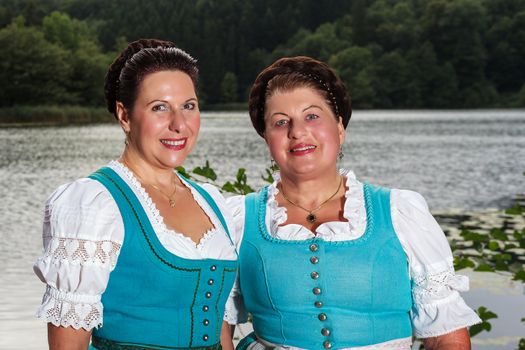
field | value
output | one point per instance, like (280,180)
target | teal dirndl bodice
(155,299)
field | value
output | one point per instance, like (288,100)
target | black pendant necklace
(311,218)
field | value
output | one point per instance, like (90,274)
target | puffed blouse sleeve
(235,311)
(438,307)
(82,235)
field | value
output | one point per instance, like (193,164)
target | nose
(177,122)
(296,129)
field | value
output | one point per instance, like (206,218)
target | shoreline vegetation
(55,115)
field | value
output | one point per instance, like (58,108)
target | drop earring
(340,155)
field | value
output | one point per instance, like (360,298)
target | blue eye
(312,116)
(281,122)
(160,108)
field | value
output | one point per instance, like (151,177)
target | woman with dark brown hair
(326,261)
(135,255)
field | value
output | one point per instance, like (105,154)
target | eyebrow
(305,109)
(313,106)
(165,101)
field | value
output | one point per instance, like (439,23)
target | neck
(147,172)
(310,192)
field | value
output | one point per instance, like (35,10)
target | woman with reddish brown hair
(327,261)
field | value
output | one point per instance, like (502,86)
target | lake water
(456,159)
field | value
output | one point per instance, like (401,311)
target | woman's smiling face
(165,120)
(301,131)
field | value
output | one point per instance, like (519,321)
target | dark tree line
(391,53)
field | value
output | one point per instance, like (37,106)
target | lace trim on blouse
(70,310)
(81,251)
(434,287)
(158,221)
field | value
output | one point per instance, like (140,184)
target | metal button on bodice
(314,247)
(208,295)
(322,317)
(205,337)
(327,345)
(206,322)
(318,304)
(213,268)
(316,290)
(210,281)
(325,332)
(314,260)
(205,308)
(314,275)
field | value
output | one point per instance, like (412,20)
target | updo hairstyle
(136,61)
(290,73)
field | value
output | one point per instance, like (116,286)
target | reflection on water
(467,159)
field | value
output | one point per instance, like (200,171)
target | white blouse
(437,309)
(83,233)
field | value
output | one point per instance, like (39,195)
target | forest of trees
(390,53)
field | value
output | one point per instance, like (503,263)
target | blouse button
(314,260)
(314,247)
(322,317)
(206,322)
(205,337)
(213,267)
(210,281)
(314,275)
(318,304)
(208,295)
(327,345)
(205,308)
(316,290)
(325,332)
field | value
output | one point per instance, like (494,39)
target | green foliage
(34,70)
(240,186)
(229,87)
(485,315)
(391,54)
(54,115)
(492,251)
(206,172)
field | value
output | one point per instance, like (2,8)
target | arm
(227,332)
(77,259)
(457,340)
(439,313)
(67,338)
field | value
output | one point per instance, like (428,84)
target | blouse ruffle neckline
(156,219)
(354,212)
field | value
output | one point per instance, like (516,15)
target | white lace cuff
(71,310)
(438,307)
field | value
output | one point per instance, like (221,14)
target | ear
(342,131)
(123,117)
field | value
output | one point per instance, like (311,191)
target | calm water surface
(456,159)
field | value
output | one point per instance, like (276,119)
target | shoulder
(80,193)
(408,200)
(79,208)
